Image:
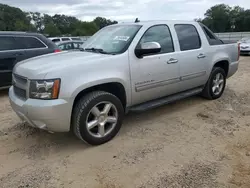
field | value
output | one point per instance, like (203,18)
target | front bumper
(245,52)
(50,115)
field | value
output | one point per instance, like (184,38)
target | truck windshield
(112,40)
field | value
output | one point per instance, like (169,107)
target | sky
(124,10)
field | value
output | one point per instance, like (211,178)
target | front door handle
(200,56)
(172,61)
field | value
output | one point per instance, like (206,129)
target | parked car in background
(124,67)
(62,39)
(245,46)
(70,45)
(18,46)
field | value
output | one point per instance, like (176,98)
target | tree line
(219,18)
(223,18)
(14,19)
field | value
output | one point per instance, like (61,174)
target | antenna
(137,20)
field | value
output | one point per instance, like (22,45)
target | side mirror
(147,48)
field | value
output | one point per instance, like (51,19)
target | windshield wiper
(99,50)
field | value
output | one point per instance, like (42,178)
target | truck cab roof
(156,22)
(23,33)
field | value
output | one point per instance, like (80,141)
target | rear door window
(212,39)
(61,46)
(7,43)
(66,46)
(208,34)
(56,40)
(29,43)
(69,46)
(75,38)
(65,39)
(77,45)
(188,37)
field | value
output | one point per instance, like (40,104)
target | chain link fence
(233,36)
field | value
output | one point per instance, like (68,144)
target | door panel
(155,75)
(8,59)
(9,56)
(36,52)
(192,69)
(6,65)
(154,78)
(192,59)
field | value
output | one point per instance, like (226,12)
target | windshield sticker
(122,38)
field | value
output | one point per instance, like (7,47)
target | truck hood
(38,67)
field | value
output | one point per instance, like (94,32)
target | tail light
(57,50)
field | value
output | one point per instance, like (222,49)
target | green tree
(218,18)
(85,29)
(236,19)
(223,18)
(37,19)
(2,23)
(47,19)
(66,24)
(13,19)
(103,22)
(242,21)
(51,30)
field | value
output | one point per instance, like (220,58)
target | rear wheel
(215,85)
(97,117)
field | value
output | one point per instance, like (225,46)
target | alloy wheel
(218,84)
(102,119)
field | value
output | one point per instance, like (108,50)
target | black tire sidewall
(215,71)
(82,114)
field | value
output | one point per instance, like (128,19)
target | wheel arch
(115,88)
(224,64)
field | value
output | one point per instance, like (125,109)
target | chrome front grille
(20,85)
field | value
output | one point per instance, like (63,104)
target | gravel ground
(193,143)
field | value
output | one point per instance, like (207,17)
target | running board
(166,100)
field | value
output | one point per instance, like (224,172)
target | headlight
(44,89)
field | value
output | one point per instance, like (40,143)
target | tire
(208,92)
(85,112)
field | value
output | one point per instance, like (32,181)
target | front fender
(87,85)
(84,83)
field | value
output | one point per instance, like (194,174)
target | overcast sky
(124,10)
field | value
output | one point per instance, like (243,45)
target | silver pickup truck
(123,67)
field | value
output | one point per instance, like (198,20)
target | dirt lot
(193,143)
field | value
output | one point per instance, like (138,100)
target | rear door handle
(172,61)
(200,56)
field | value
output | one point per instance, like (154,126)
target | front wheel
(97,117)
(215,85)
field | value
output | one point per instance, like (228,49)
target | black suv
(18,46)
